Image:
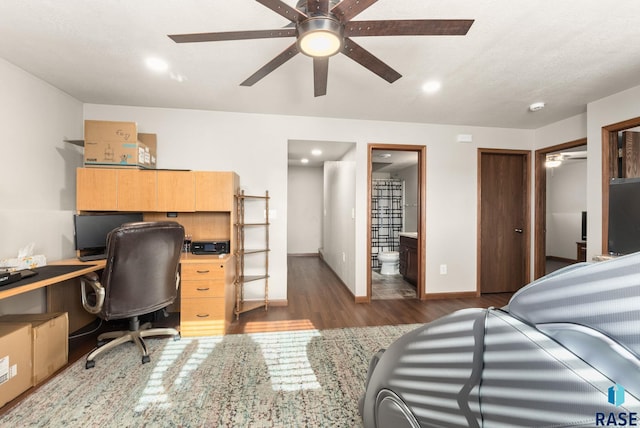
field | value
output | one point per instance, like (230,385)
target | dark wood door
(504,221)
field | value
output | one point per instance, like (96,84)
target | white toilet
(390,261)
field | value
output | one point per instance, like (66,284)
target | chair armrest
(92,280)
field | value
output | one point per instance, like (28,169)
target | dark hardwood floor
(317,299)
(317,295)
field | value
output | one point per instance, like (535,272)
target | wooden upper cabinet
(111,189)
(215,190)
(137,190)
(96,189)
(176,191)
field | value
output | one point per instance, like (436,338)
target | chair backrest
(141,268)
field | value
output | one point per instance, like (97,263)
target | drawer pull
(203,289)
(202,315)
(203,271)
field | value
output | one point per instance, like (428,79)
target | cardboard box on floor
(118,145)
(15,360)
(50,341)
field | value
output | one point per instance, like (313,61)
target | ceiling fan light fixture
(553,161)
(320,37)
(536,106)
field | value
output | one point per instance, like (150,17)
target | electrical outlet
(443,269)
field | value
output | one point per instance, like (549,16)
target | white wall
(566,199)
(304,209)
(338,248)
(37,177)
(410,177)
(37,185)
(255,146)
(564,131)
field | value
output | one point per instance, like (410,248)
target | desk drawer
(202,317)
(201,288)
(201,271)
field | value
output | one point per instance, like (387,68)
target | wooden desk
(206,293)
(20,289)
(62,291)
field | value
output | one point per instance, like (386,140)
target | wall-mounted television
(624,215)
(91,230)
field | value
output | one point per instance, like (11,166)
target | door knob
(518,230)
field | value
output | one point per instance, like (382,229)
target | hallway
(316,296)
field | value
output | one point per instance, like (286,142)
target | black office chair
(140,277)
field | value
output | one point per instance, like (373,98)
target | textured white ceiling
(565,53)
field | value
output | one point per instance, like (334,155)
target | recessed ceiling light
(157,64)
(536,106)
(304,160)
(431,87)
(316,152)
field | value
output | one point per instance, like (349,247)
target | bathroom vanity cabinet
(409,259)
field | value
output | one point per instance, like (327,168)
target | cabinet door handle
(202,315)
(518,230)
(202,289)
(203,271)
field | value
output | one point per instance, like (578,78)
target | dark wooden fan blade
(317,7)
(410,27)
(320,76)
(347,9)
(367,60)
(285,56)
(283,9)
(233,35)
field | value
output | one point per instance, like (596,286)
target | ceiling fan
(323,28)
(554,160)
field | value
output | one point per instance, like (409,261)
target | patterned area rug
(304,378)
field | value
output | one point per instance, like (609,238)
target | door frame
(422,191)
(540,215)
(527,212)
(610,169)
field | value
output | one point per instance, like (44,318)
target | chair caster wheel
(176,337)
(145,359)
(89,364)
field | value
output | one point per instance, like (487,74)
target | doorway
(614,164)
(540,228)
(503,220)
(396,211)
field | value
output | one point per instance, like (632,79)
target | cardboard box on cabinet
(15,360)
(150,142)
(49,342)
(118,145)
